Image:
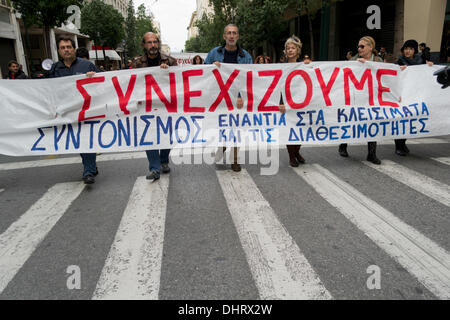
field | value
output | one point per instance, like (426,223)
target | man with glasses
(158,159)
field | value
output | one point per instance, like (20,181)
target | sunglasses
(361,47)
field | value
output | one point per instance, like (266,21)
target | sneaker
(153,176)
(89,179)
(165,168)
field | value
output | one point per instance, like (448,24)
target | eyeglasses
(361,47)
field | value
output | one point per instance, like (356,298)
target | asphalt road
(201,232)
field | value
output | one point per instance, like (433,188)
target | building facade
(340,24)
(203,7)
(11,44)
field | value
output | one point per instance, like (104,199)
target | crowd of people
(76,61)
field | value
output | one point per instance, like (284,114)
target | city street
(333,228)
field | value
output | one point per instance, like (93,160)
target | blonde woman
(292,51)
(366,52)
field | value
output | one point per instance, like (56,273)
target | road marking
(133,267)
(1,190)
(427,141)
(422,257)
(443,160)
(20,240)
(278,267)
(431,188)
(71,160)
(175,153)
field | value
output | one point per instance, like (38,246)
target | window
(4,15)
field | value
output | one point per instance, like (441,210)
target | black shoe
(405,149)
(236,167)
(153,176)
(165,168)
(401,153)
(89,179)
(343,151)
(294,163)
(96,172)
(299,158)
(373,158)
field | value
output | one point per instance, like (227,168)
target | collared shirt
(218,54)
(79,66)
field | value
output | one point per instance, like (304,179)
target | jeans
(89,163)
(156,158)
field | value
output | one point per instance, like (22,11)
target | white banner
(195,106)
(187,57)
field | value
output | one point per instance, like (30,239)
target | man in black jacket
(14,71)
(425,52)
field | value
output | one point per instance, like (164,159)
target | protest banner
(195,106)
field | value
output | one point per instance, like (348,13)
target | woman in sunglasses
(366,52)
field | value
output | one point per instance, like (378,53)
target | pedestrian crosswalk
(20,240)
(133,266)
(419,255)
(431,188)
(280,266)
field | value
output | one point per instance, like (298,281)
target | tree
(46,14)
(144,24)
(193,45)
(102,23)
(310,8)
(132,48)
(261,22)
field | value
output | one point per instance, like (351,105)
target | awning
(111,54)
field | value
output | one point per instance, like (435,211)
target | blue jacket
(217,54)
(79,66)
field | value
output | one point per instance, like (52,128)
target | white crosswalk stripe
(20,240)
(1,190)
(133,266)
(422,257)
(279,268)
(415,180)
(69,160)
(443,160)
(174,154)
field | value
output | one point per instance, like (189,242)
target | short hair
(12,62)
(296,41)
(230,25)
(83,53)
(65,38)
(153,34)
